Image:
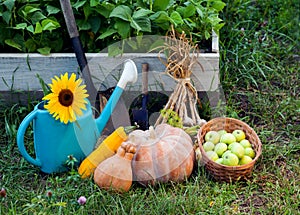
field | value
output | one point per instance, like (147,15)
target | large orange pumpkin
(162,154)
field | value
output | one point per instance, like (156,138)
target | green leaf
(107,33)
(200,10)
(6,16)
(45,87)
(214,19)
(159,5)
(132,44)
(95,23)
(30,28)
(37,16)
(87,10)
(160,17)
(189,11)
(9,4)
(44,51)
(13,44)
(30,9)
(49,24)
(123,12)
(217,27)
(94,3)
(123,28)
(135,25)
(83,25)
(20,26)
(79,4)
(218,5)
(207,34)
(175,18)
(38,28)
(141,13)
(52,10)
(114,50)
(190,23)
(144,24)
(105,9)
(180,10)
(30,45)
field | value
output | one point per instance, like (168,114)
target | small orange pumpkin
(163,154)
(115,173)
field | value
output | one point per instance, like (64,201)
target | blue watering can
(55,141)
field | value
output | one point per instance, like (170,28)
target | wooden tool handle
(69,18)
(78,49)
(145,69)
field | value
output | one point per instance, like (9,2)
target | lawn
(260,77)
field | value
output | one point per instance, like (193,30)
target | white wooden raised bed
(19,82)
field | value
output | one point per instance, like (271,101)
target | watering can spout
(129,74)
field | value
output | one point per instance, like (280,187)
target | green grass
(261,82)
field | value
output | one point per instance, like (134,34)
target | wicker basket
(229,173)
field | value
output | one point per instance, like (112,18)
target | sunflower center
(65,97)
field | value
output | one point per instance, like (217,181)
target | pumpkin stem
(152,132)
(129,129)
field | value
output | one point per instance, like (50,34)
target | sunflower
(67,98)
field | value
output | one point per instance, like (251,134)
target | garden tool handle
(78,49)
(145,68)
(69,18)
(20,139)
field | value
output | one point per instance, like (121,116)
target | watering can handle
(20,139)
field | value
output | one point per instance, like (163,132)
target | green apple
(239,135)
(221,132)
(250,152)
(226,152)
(208,146)
(219,161)
(230,159)
(245,160)
(212,155)
(238,150)
(212,136)
(220,148)
(245,143)
(232,144)
(227,138)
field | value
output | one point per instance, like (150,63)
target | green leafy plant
(28,27)
(34,25)
(172,118)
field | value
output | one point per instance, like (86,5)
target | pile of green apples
(230,149)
